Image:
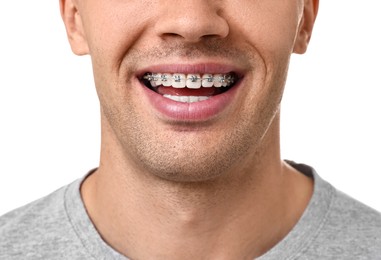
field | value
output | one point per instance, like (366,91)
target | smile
(189,88)
(201,92)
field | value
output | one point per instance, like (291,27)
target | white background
(49,123)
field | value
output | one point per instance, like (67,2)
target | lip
(191,112)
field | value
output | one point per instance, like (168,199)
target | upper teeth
(178,80)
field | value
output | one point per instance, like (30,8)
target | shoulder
(354,213)
(350,230)
(335,226)
(39,230)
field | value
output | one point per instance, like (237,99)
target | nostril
(205,20)
(171,35)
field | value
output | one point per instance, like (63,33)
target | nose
(191,20)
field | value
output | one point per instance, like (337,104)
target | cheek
(113,27)
(270,26)
(270,30)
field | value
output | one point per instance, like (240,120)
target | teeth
(207,80)
(217,81)
(226,79)
(193,81)
(178,80)
(156,80)
(186,99)
(224,82)
(165,79)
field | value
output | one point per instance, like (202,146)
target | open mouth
(189,88)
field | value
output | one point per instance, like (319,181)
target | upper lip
(199,68)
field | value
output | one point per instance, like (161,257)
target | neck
(240,215)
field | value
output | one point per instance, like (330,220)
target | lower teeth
(186,99)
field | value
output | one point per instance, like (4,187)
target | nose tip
(191,21)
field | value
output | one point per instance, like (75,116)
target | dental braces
(223,79)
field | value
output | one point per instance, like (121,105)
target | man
(190,164)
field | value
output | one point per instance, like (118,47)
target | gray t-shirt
(334,226)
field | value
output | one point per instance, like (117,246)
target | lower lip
(191,112)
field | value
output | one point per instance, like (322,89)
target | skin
(215,189)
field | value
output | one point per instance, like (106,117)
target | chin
(187,177)
(191,172)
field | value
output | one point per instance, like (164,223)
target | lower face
(191,111)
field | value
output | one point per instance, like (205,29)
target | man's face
(145,51)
